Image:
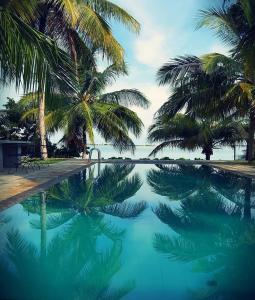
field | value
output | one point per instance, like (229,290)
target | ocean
(224,153)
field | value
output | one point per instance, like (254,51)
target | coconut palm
(188,133)
(90,107)
(75,24)
(234,24)
(23,49)
(30,57)
(194,90)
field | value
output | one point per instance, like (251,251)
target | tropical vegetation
(216,87)
(53,37)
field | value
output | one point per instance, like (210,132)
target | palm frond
(126,97)
(177,69)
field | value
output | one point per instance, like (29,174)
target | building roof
(15,142)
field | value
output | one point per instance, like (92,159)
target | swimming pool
(132,232)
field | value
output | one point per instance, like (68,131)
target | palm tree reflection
(213,225)
(81,259)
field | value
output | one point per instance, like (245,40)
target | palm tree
(194,90)
(28,55)
(23,49)
(75,24)
(90,107)
(234,24)
(188,133)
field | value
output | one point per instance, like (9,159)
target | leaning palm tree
(188,133)
(90,107)
(74,24)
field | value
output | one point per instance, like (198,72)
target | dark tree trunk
(250,142)
(207,156)
(208,151)
(73,51)
(234,148)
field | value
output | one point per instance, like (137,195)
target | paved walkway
(240,169)
(17,186)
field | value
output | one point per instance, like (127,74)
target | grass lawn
(52,160)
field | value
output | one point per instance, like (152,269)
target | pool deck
(17,186)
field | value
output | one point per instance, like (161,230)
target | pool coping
(10,201)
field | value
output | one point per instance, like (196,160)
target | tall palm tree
(90,107)
(74,24)
(69,24)
(234,24)
(188,133)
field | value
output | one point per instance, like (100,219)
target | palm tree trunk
(234,148)
(208,151)
(73,52)
(42,129)
(207,156)
(84,153)
(250,142)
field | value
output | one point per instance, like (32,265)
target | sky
(168,29)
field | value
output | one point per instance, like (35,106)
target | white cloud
(151,48)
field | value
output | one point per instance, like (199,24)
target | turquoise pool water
(132,232)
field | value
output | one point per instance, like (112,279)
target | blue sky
(168,30)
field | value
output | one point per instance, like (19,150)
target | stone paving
(243,169)
(15,187)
